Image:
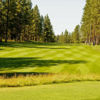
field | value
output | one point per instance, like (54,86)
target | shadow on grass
(31,61)
(16,74)
(26,44)
(93,99)
(50,48)
(20,63)
(33,45)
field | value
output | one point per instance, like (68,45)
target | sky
(64,14)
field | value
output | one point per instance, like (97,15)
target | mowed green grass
(49,58)
(70,91)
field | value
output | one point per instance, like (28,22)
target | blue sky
(64,14)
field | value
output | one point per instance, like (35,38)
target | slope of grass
(29,57)
(70,91)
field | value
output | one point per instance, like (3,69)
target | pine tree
(27,19)
(20,22)
(36,23)
(1,20)
(42,27)
(48,30)
(76,34)
(7,7)
(91,22)
(61,38)
(66,36)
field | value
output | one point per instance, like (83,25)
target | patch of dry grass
(31,80)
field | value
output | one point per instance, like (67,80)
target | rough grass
(33,80)
(70,91)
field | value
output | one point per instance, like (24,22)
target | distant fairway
(70,91)
(49,58)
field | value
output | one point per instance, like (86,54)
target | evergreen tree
(42,27)
(66,36)
(1,20)
(27,19)
(61,38)
(48,30)
(91,22)
(20,22)
(36,23)
(76,34)
(7,7)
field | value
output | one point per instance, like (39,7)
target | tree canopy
(20,22)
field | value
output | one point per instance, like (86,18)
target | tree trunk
(94,36)
(1,36)
(7,24)
(0,39)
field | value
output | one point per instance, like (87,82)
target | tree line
(20,22)
(89,30)
(67,37)
(90,27)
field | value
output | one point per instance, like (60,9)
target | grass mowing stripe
(50,58)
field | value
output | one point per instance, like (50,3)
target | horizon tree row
(89,30)
(67,37)
(20,22)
